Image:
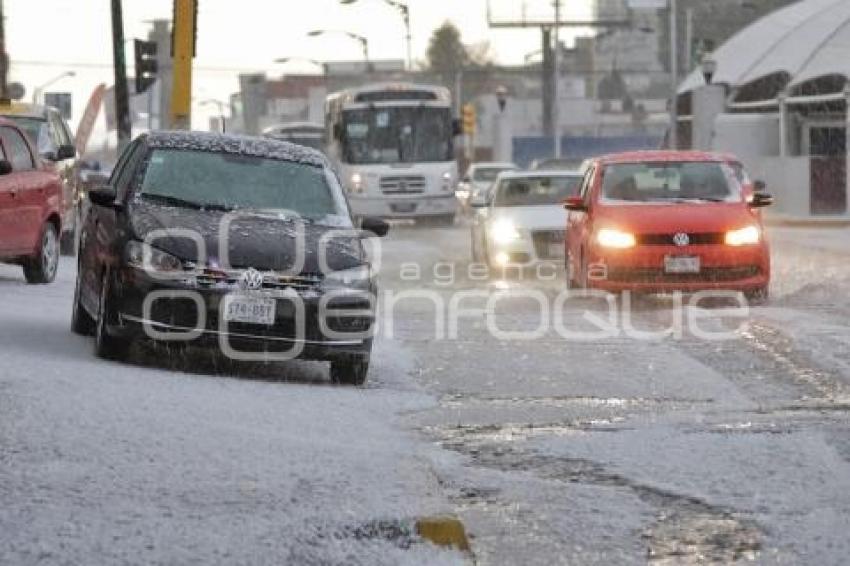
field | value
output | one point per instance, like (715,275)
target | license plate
(556,250)
(681,264)
(403,207)
(251,310)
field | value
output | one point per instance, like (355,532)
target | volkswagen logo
(681,239)
(251,280)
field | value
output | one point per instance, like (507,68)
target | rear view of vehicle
(473,188)
(394,146)
(667,221)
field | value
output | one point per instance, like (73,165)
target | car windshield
(697,181)
(488,174)
(534,191)
(224,181)
(398,135)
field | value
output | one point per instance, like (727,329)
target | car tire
(81,321)
(350,370)
(758,296)
(42,268)
(107,346)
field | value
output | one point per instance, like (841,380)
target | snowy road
(608,450)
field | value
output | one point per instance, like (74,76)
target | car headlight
(143,256)
(504,232)
(447,181)
(356,183)
(609,238)
(359,277)
(744,236)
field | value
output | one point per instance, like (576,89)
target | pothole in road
(508,432)
(687,531)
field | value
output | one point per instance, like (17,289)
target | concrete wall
(788,180)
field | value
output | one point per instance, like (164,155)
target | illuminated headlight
(145,257)
(744,236)
(358,277)
(356,183)
(608,238)
(462,193)
(502,259)
(447,181)
(504,232)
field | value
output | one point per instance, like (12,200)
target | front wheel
(758,296)
(41,269)
(350,370)
(107,346)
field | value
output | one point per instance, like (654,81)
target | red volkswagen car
(662,221)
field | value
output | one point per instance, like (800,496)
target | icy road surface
(608,451)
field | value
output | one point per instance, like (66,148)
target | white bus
(394,147)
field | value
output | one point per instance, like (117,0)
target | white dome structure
(800,50)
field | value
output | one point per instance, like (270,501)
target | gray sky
(47,37)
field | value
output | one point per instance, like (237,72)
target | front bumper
(642,269)
(441,204)
(532,248)
(185,314)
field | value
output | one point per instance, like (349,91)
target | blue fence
(527,149)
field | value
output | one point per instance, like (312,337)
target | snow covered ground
(610,450)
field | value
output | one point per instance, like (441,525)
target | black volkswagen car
(245,244)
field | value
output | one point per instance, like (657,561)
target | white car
(472,189)
(524,221)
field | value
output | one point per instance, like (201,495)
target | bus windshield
(411,134)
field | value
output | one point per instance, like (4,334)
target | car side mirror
(759,186)
(5,167)
(103,196)
(575,204)
(66,152)
(377,226)
(761,200)
(457,127)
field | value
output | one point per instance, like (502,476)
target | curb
(443,531)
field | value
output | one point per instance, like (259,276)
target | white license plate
(681,264)
(252,310)
(556,250)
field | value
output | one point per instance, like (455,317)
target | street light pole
(363,41)
(556,107)
(674,77)
(37,92)
(405,14)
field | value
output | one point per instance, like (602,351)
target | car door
(99,227)
(579,222)
(29,191)
(7,211)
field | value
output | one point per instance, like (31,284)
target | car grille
(211,278)
(543,241)
(707,275)
(695,239)
(403,185)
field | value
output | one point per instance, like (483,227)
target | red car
(660,221)
(30,205)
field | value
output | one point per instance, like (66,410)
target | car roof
(24,109)
(235,145)
(534,173)
(665,156)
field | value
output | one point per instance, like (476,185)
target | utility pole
(674,77)
(183,44)
(556,63)
(122,97)
(4,57)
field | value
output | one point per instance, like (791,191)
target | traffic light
(146,66)
(469,119)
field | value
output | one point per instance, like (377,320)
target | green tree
(446,52)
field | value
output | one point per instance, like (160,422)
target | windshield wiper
(184,203)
